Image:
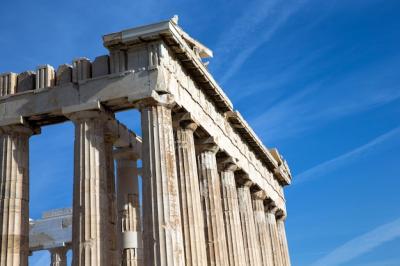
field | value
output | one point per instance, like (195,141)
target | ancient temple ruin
(212,192)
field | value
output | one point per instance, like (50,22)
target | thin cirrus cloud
(247,23)
(312,106)
(278,82)
(348,157)
(262,19)
(362,244)
(385,262)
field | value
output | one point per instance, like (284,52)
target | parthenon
(212,193)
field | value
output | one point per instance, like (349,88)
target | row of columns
(235,228)
(196,211)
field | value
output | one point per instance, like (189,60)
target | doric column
(58,256)
(112,201)
(250,238)
(273,231)
(233,228)
(14,195)
(283,240)
(93,234)
(130,229)
(262,228)
(210,189)
(189,193)
(163,243)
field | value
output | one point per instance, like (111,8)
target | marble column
(189,194)
(283,240)
(210,190)
(262,228)
(162,226)
(130,229)
(250,238)
(233,228)
(58,256)
(273,232)
(92,236)
(112,201)
(14,195)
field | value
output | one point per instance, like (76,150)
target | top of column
(206,144)
(87,111)
(18,125)
(185,120)
(226,163)
(156,99)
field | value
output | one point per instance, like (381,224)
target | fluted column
(58,256)
(189,194)
(14,195)
(250,238)
(92,236)
(130,229)
(283,240)
(233,228)
(163,243)
(262,228)
(112,202)
(210,189)
(273,231)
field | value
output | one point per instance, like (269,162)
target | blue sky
(317,79)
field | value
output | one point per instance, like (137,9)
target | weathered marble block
(64,74)
(8,83)
(101,66)
(45,77)
(82,69)
(26,81)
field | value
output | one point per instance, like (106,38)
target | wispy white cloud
(381,262)
(312,106)
(241,57)
(346,158)
(255,13)
(255,27)
(291,70)
(361,244)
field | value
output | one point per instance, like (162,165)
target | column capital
(259,195)
(156,99)
(227,163)
(59,249)
(184,120)
(87,111)
(126,153)
(280,215)
(18,125)
(206,144)
(245,183)
(229,167)
(243,179)
(270,206)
